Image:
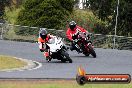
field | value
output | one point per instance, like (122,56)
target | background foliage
(57,13)
(106,11)
(45,13)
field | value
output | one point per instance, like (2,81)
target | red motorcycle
(83,43)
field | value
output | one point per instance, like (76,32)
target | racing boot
(72,48)
(47,56)
(78,50)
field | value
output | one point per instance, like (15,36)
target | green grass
(57,84)
(7,62)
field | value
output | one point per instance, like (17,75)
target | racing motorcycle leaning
(83,44)
(58,50)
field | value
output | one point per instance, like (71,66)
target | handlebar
(84,35)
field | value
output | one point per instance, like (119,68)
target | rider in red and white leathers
(73,29)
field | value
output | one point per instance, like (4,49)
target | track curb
(31,65)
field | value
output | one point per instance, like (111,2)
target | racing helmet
(43,33)
(72,25)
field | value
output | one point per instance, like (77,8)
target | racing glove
(42,50)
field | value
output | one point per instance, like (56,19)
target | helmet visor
(43,36)
(72,27)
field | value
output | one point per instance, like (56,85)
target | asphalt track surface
(108,61)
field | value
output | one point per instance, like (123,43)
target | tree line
(106,11)
(55,13)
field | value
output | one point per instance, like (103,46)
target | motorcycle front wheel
(86,54)
(92,52)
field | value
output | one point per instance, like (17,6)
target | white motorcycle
(58,50)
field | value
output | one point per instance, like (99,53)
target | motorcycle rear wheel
(66,57)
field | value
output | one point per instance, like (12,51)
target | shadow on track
(82,57)
(54,61)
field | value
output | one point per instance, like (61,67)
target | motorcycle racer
(42,39)
(73,30)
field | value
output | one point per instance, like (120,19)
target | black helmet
(43,33)
(72,25)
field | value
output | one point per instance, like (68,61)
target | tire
(67,58)
(63,61)
(70,60)
(86,54)
(92,52)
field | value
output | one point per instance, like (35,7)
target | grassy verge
(11,35)
(57,84)
(7,62)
